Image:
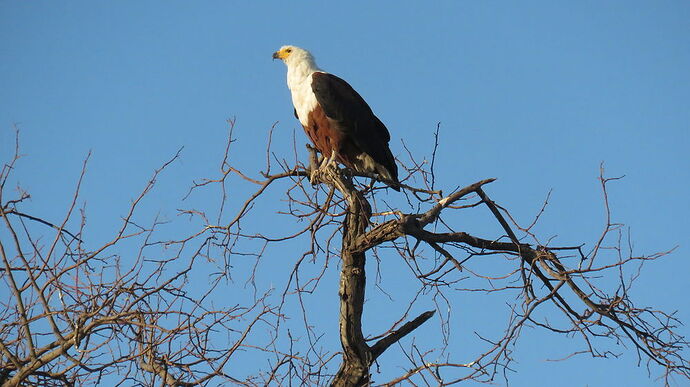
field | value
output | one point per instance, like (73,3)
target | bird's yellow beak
(282,54)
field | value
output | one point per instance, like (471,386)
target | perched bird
(336,118)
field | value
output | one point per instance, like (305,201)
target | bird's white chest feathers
(303,97)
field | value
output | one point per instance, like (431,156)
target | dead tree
(116,313)
(120,323)
(558,276)
(539,266)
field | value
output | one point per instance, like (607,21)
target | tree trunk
(354,371)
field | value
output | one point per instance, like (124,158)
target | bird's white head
(294,56)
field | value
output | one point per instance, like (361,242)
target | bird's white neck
(299,81)
(299,71)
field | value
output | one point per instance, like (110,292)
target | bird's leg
(326,162)
(331,160)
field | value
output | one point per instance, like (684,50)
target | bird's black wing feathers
(344,105)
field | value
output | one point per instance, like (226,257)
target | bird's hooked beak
(282,54)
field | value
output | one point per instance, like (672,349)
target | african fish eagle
(336,118)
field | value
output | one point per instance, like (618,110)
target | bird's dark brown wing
(354,117)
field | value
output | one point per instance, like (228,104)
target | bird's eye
(289,50)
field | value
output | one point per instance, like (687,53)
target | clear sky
(534,93)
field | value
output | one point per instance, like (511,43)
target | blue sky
(537,94)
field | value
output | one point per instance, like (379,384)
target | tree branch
(383,344)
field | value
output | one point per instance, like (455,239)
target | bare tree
(76,315)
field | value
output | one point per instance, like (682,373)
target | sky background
(535,93)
